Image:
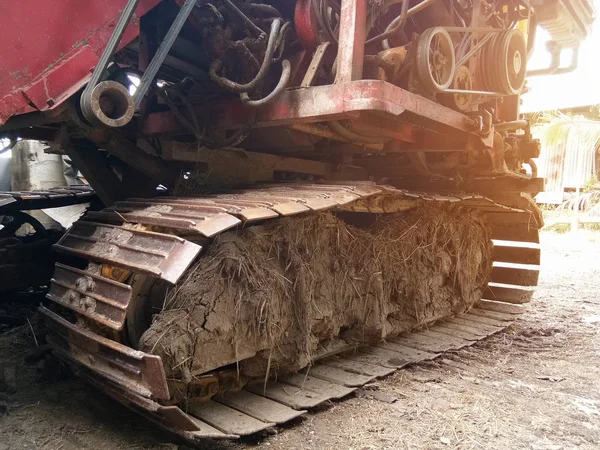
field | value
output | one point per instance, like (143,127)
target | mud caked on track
(271,297)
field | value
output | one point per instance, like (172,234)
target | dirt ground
(534,386)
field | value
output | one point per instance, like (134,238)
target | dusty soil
(273,296)
(534,386)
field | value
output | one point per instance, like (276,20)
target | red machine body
(247,112)
(49,49)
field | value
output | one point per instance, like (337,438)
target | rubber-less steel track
(116,237)
(48,198)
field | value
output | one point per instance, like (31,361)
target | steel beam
(351,41)
(128,152)
(96,170)
(321,103)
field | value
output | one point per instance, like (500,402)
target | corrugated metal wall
(568,157)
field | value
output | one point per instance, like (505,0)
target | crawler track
(113,237)
(42,199)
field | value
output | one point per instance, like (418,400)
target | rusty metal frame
(101,299)
(131,369)
(322,103)
(155,254)
(352,36)
(347,98)
(50,198)
(138,380)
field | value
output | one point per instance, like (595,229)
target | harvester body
(283,183)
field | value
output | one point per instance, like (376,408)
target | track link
(42,199)
(137,379)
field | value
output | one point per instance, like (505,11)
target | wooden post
(575,222)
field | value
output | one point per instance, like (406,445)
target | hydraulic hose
(230,85)
(281,85)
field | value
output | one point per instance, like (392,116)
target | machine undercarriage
(347,297)
(306,186)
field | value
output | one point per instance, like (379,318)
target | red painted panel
(48,48)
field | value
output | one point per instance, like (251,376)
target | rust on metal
(319,103)
(95,297)
(154,254)
(139,372)
(47,198)
(204,220)
(204,207)
(352,35)
(137,379)
(215,213)
(171,418)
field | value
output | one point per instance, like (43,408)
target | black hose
(230,85)
(281,85)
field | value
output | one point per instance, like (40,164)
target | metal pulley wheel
(462,81)
(108,104)
(513,49)
(503,63)
(435,60)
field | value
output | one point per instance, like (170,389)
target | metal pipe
(251,25)
(401,23)
(391,28)
(513,125)
(225,83)
(554,68)
(534,168)
(462,91)
(473,30)
(281,85)
(352,136)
